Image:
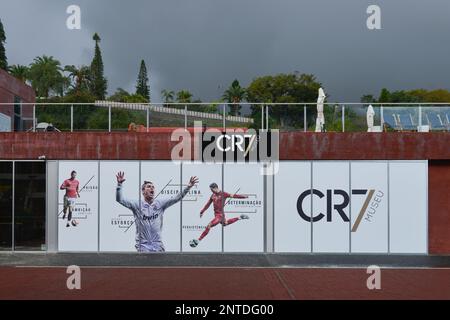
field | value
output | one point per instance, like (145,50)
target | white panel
(330,236)
(244,235)
(193,225)
(166,177)
(83,237)
(408,206)
(292,232)
(369,210)
(117,228)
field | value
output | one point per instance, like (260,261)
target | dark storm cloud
(202,45)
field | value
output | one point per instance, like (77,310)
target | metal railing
(113,116)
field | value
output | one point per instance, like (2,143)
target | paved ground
(103,276)
(222,260)
(223,283)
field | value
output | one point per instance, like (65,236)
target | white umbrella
(370,115)
(320,121)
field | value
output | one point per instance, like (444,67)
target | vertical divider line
(223,206)
(46,207)
(312,207)
(350,207)
(273,209)
(389,206)
(265,208)
(140,200)
(98,206)
(57,206)
(181,207)
(426,209)
(13,206)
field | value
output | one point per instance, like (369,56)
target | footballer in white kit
(149,213)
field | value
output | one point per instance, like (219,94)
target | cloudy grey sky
(202,45)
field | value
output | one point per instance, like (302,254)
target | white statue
(320,121)
(370,115)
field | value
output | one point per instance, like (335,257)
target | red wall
(294,146)
(439,206)
(11,87)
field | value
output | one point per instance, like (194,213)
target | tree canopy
(3,59)
(142,87)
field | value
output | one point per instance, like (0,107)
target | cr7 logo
(332,205)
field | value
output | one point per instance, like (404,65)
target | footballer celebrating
(149,213)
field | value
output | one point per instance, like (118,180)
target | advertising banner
(369,207)
(243,208)
(165,175)
(292,189)
(357,206)
(200,223)
(408,187)
(78,206)
(319,207)
(117,227)
(331,210)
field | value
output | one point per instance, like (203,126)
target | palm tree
(235,94)
(80,76)
(168,96)
(19,71)
(45,74)
(184,96)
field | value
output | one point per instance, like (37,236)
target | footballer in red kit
(72,193)
(218,199)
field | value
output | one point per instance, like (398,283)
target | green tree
(168,96)
(385,96)
(414,96)
(142,87)
(98,81)
(80,77)
(46,76)
(283,88)
(184,96)
(368,98)
(122,95)
(235,94)
(19,71)
(3,59)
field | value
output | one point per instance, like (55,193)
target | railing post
(148,117)
(71,118)
(381,118)
(267,118)
(34,118)
(304,118)
(109,118)
(420,119)
(262,117)
(224,116)
(185,117)
(343,118)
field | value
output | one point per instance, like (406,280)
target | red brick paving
(223,283)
